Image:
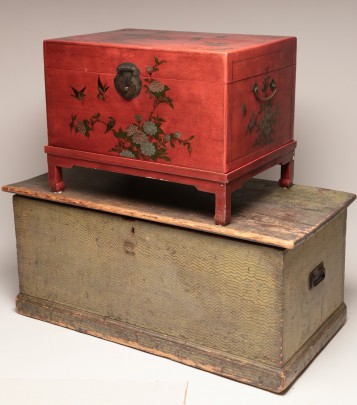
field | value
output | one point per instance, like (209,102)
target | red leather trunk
(209,110)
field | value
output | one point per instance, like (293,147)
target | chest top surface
(262,212)
(176,40)
(207,57)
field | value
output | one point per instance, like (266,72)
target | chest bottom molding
(274,379)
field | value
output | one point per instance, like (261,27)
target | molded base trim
(271,378)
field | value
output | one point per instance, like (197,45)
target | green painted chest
(254,301)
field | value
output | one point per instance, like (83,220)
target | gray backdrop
(41,362)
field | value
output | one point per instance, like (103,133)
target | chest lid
(262,211)
(191,56)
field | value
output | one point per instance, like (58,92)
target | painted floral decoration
(145,138)
(263,121)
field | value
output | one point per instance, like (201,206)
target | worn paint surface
(237,308)
(261,211)
(211,291)
(304,308)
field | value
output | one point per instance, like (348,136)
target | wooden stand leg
(55,178)
(287,175)
(223,205)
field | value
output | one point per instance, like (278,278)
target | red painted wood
(176,40)
(141,165)
(55,177)
(223,204)
(230,135)
(193,114)
(240,140)
(222,185)
(287,174)
(280,155)
(208,57)
(245,68)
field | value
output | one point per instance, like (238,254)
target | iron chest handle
(127,81)
(273,87)
(317,275)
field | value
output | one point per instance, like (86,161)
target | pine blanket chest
(254,301)
(208,110)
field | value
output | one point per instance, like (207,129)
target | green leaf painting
(145,138)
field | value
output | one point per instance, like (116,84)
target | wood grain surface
(262,212)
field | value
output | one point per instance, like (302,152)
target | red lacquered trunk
(209,110)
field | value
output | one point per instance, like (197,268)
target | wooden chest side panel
(255,128)
(207,290)
(306,309)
